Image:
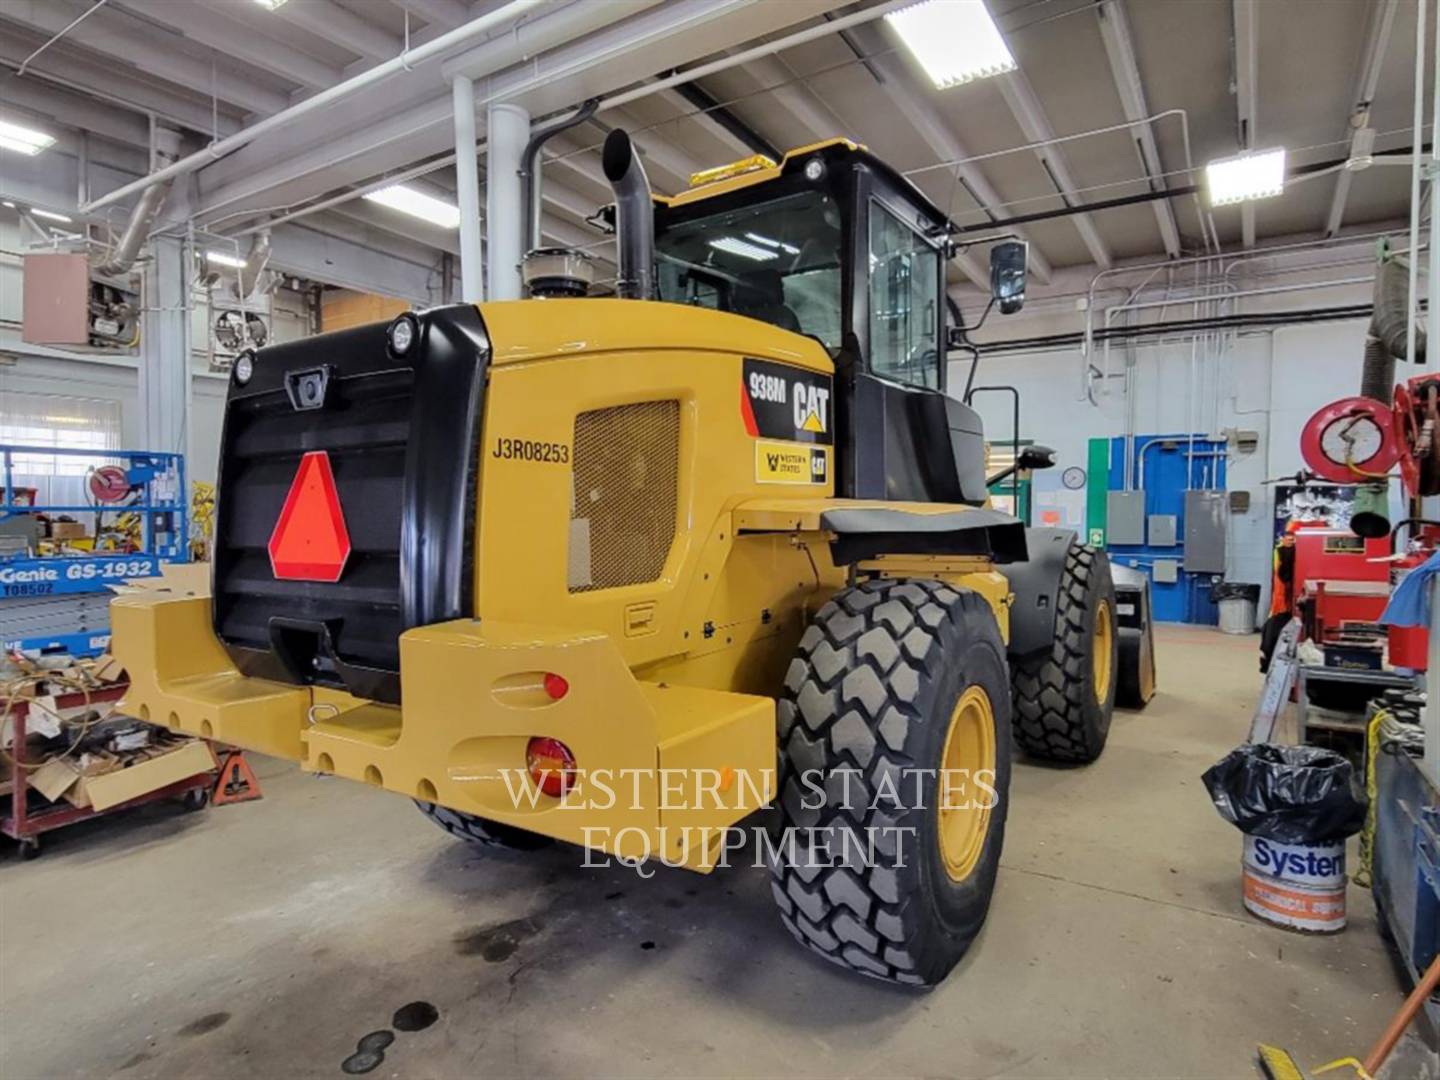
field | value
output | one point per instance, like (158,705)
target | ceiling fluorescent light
(271,4)
(23,140)
(1246,177)
(955,41)
(417,204)
(219,258)
(49,215)
(778,245)
(739,247)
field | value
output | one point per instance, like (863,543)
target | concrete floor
(265,939)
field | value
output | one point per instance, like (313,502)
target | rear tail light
(551,765)
(556,686)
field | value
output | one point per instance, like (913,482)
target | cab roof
(753,171)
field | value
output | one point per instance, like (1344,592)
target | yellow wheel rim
(1101,650)
(964,804)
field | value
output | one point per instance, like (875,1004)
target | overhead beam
(74,110)
(121,38)
(931,126)
(738,137)
(446,13)
(1120,50)
(340,25)
(376,139)
(783,89)
(1246,103)
(220,31)
(1015,88)
(59,67)
(1372,60)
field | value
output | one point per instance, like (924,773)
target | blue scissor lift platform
(57,602)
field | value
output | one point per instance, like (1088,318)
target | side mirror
(1036,457)
(1007,274)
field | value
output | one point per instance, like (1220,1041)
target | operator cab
(834,244)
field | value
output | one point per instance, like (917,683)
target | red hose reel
(1359,438)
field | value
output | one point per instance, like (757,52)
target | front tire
(877,866)
(482,831)
(1064,696)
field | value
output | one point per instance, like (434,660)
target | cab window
(904,302)
(777,261)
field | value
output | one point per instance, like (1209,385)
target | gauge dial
(1352,440)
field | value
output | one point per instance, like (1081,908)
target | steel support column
(165,350)
(467,191)
(507,130)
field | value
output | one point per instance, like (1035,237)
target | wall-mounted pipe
(634,218)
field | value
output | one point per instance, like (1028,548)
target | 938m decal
(778,401)
(547,453)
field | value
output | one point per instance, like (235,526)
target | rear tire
(483,831)
(1063,697)
(880,682)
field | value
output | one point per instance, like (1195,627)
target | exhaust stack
(634,218)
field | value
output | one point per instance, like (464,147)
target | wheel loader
(622,572)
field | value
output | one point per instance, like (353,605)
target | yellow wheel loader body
(671,611)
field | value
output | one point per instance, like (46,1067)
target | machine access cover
(310,541)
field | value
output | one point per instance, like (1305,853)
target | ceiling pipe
(736,59)
(509,13)
(56,37)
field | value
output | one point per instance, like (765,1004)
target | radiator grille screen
(622,520)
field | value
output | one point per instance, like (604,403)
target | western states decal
(778,401)
(786,463)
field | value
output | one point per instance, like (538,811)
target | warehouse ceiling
(1281,73)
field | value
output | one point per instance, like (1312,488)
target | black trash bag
(1289,794)
(1235,590)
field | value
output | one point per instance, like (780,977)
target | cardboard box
(54,778)
(67,530)
(144,776)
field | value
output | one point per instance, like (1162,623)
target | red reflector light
(551,765)
(556,686)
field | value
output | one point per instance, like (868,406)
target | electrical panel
(1167,571)
(1205,514)
(1162,530)
(1125,517)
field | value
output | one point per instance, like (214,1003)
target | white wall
(113,376)
(1267,381)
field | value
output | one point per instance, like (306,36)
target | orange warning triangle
(310,541)
(237,782)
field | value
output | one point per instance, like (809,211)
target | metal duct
(634,218)
(1385,339)
(247,276)
(137,230)
(1392,311)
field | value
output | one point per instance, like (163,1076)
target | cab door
(906,439)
